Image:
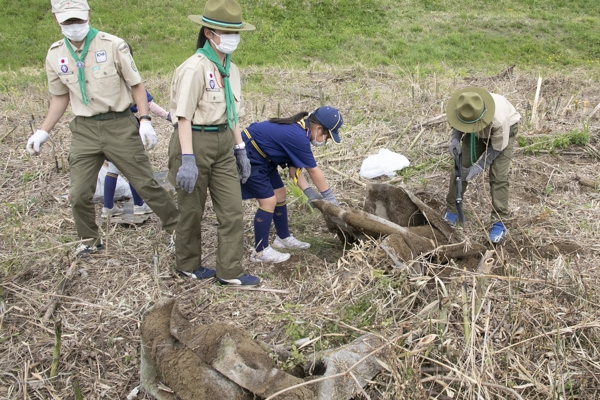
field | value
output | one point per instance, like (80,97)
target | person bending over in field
(285,141)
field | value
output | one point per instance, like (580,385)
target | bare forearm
(139,97)
(316,175)
(237,134)
(58,106)
(184,127)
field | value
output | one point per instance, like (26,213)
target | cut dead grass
(528,328)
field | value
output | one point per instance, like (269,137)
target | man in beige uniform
(488,124)
(95,72)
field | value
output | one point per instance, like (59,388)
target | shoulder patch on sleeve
(123,48)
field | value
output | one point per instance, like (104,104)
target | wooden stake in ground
(534,119)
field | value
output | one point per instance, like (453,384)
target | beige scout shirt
(197,92)
(109,72)
(505,116)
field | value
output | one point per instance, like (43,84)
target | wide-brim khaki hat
(224,15)
(470,109)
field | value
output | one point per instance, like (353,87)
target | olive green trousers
(217,173)
(93,140)
(498,175)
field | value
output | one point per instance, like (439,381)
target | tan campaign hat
(470,109)
(67,9)
(224,15)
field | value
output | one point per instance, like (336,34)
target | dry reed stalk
(332,288)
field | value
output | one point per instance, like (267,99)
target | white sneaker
(289,242)
(143,209)
(269,254)
(116,210)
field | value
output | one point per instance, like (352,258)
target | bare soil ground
(529,329)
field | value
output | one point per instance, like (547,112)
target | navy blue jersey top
(283,144)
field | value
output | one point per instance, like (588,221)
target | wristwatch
(146,117)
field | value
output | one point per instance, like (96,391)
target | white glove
(148,135)
(36,140)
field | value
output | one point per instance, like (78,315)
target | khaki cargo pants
(217,172)
(498,175)
(114,136)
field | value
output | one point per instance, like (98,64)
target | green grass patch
(533,145)
(396,35)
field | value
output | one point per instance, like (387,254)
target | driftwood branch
(328,377)
(583,181)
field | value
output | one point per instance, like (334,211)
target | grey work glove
(312,195)
(187,173)
(328,196)
(454,147)
(243,164)
(469,173)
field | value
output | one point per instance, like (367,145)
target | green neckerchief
(208,51)
(472,147)
(79,62)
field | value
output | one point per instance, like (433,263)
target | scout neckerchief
(208,51)
(79,62)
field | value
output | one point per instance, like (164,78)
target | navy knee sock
(110,184)
(262,227)
(280,219)
(137,200)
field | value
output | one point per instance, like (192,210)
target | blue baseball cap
(331,119)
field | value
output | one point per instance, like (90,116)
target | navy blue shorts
(264,177)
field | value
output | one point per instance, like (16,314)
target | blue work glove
(469,173)
(243,164)
(328,196)
(454,147)
(312,195)
(187,173)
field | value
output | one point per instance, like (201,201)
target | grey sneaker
(289,242)
(116,210)
(143,209)
(85,250)
(270,255)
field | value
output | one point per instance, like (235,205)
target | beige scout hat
(67,9)
(470,109)
(224,15)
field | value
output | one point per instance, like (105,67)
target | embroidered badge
(133,67)
(124,48)
(95,68)
(64,68)
(63,61)
(210,82)
(101,56)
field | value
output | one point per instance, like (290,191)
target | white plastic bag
(122,191)
(385,163)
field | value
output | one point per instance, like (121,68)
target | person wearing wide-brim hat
(206,148)
(487,123)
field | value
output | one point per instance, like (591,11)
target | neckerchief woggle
(209,52)
(79,62)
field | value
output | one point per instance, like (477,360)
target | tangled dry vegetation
(528,329)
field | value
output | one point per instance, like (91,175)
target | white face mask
(76,32)
(316,143)
(228,44)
